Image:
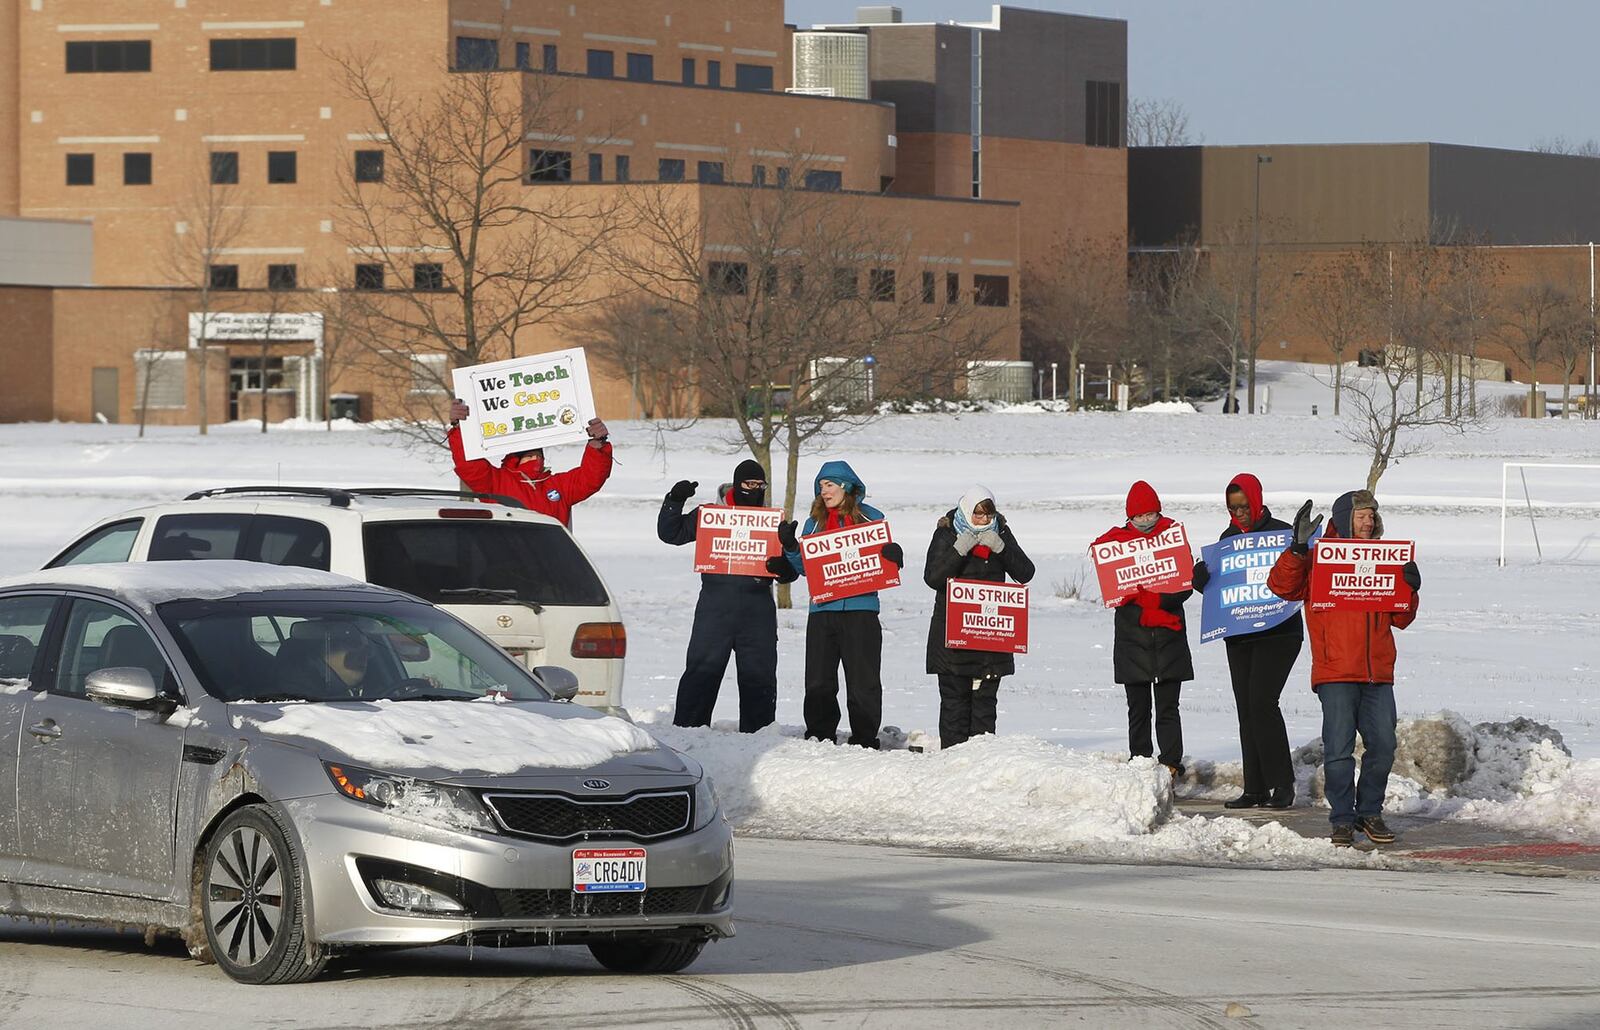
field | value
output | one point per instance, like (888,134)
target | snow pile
(456,736)
(147,584)
(1167,408)
(10,686)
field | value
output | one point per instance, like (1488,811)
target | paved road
(833,935)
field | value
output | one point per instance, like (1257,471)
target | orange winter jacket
(1346,647)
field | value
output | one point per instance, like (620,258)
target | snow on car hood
(147,584)
(451,736)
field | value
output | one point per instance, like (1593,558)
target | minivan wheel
(253,903)
(647,956)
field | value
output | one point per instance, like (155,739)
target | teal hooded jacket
(839,472)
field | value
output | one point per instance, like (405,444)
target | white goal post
(1505,479)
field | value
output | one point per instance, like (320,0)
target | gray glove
(991,539)
(965,542)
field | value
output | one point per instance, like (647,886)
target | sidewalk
(1437,843)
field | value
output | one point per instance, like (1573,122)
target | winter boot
(1282,797)
(1373,827)
(1344,835)
(1246,800)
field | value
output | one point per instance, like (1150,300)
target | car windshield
(254,649)
(512,561)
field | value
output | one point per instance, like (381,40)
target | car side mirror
(562,683)
(123,686)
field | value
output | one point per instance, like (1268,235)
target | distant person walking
(524,475)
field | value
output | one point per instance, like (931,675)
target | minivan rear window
(540,562)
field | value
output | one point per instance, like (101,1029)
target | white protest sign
(523,403)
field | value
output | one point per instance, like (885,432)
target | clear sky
(1499,74)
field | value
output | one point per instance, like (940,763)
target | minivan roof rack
(428,491)
(336,497)
(341,498)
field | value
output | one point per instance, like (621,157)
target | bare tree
(1077,303)
(1537,315)
(647,350)
(1159,122)
(1218,308)
(1570,343)
(1472,313)
(211,219)
(1159,334)
(1337,306)
(166,313)
(1562,145)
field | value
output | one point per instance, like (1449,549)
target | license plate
(608,870)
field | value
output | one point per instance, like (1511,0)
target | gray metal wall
(38,252)
(1512,197)
(1036,67)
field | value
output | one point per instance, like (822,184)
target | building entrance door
(103,386)
(244,384)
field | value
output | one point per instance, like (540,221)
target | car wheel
(647,956)
(252,901)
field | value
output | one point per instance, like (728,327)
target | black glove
(1303,528)
(895,553)
(782,568)
(786,535)
(1202,576)
(1412,575)
(682,490)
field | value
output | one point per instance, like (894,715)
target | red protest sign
(1160,562)
(735,541)
(1361,575)
(848,562)
(984,616)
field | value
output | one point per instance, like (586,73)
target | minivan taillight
(465,513)
(600,640)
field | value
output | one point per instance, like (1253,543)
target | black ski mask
(749,469)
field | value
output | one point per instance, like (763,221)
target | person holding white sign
(972,541)
(1352,671)
(1150,654)
(525,476)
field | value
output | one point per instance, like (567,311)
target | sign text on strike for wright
(848,562)
(1361,575)
(1160,562)
(986,616)
(735,541)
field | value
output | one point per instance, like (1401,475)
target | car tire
(647,956)
(252,902)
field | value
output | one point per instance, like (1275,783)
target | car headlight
(706,803)
(453,808)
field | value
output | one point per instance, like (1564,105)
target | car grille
(554,817)
(566,904)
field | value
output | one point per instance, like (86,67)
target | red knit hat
(1142,498)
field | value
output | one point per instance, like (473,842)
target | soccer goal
(1561,502)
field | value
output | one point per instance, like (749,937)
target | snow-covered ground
(1491,644)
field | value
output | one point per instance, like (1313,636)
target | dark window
(369,166)
(845,283)
(826,181)
(525,57)
(1103,114)
(223,277)
(274,539)
(641,67)
(283,277)
(369,277)
(111,543)
(669,169)
(713,73)
(991,291)
(549,166)
(120,55)
(769,280)
(136,169)
(709,171)
(100,636)
(597,168)
(224,167)
(252,55)
(882,284)
(282,166)
(541,563)
(80,169)
(602,64)
(729,277)
(280,540)
(783,178)
(758,175)
(476,55)
(427,276)
(622,168)
(688,71)
(952,287)
(551,61)
(752,77)
(930,287)
(23,619)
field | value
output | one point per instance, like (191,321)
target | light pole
(1255,283)
(1052,380)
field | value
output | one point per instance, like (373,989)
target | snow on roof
(147,584)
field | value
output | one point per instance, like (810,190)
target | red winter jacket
(550,493)
(1346,647)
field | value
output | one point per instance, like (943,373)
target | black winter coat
(946,563)
(1295,625)
(677,527)
(1148,654)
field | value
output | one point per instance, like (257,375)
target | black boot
(1246,800)
(1282,797)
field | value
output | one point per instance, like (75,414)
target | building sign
(231,326)
(1361,575)
(984,616)
(1236,600)
(523,403)
(731,540)
(1160,562)
(848,562)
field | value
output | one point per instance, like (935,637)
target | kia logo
(504,622)
(597,784)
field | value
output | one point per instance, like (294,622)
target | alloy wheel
(245,896)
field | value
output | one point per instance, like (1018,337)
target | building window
(641,67)
(369,277)
(845,283)
(783,177)
(549,166)
(709,171)
(551,62)
(1103,114)
(477,55)
(136,170)
(163,378)
(223,277)
(283,277)
(688,71)
(769,280)
(369,166)
(80,169)
(623,171)
(525,57)
(930,287)
(991,291)
(224,167)
(730,278)
(252,55)
(121,55)
(429,373)
(597,168)
(427,276)
(713,73)
(753,77)
(282,166)
(602,64)
(881,281)
(824,181)
(952,287)
(758,175)
(669,169)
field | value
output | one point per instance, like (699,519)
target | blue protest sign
(1237,600)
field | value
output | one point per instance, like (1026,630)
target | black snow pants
(854,639)
(733,616)
(1260,667)
(1169,728)
(966,708)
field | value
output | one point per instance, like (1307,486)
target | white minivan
(515,575)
